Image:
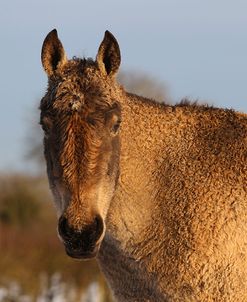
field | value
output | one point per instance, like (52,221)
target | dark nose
(81,243)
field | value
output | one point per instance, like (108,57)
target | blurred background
(170,49)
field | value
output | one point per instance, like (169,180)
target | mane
(185,102)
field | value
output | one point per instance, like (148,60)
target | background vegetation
(33,264)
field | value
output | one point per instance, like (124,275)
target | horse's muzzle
(83,244)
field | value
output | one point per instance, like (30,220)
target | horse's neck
(131,223)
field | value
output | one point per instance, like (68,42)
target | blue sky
(198,48)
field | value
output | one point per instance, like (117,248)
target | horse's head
(80,116)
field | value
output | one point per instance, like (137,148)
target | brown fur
(176,223)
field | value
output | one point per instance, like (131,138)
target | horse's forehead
(79,89)
(78,83)
(72,94)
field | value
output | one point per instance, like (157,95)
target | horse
(156,192)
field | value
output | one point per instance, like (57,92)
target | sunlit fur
(171,185)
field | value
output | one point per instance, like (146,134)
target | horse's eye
(116,126)
(46,124)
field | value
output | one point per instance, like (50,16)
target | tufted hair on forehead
(79,85)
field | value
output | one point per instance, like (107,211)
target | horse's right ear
(52,55)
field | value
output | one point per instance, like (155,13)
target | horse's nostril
(64,229)
(98,225)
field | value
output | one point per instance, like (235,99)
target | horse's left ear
(108,57)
